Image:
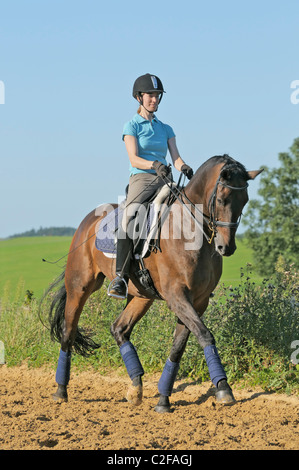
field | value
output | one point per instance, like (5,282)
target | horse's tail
(83,343)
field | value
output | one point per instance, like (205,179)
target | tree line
(47,231)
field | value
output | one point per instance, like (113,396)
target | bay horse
(183,278)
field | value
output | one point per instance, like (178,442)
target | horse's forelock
(232,168)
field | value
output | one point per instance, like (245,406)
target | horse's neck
(198,190)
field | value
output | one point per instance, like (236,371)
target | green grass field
(22,266)
(232,265)
(21,263)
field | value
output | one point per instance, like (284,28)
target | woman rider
(147,140)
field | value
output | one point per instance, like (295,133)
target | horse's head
(225,203)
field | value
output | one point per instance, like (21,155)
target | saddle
(149,235)
(106,237)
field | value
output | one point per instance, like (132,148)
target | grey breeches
(142,186)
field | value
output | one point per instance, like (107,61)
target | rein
(177,192)
(210,220)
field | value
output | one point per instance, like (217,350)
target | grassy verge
(255,326)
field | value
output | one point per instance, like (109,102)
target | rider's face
(151,100)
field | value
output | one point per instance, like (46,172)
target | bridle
(213,223)
(211,220)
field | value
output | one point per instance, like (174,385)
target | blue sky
(68,69)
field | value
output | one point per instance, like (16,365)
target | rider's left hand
(187,171)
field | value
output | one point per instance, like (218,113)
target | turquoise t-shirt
(152,138)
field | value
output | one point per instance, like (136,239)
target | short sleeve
(169,131)
(129,129)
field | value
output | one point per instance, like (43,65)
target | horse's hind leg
(121,331)
(76,298)
(171,368)
(73,310)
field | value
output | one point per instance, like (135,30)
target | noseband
(213,223)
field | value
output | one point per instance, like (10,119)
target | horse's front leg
(171,368)
(185,311)
(121,330)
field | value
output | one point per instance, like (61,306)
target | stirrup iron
(111,285)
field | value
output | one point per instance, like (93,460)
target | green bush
(254,326)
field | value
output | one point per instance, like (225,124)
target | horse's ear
(253,174)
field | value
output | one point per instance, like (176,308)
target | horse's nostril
(225,250)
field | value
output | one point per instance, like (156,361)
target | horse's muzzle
(225,250)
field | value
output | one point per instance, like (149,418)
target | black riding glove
(161,169)
(187,171)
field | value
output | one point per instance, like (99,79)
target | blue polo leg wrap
(131,360)
(214,364)
(168,377)
(63,368)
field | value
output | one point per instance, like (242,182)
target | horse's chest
(206,273)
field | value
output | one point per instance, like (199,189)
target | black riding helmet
(147,83)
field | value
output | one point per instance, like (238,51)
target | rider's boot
(118,288)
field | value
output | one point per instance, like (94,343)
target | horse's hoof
(163,405)
(162,409)
(135,394)
(59,398)
(61,394)
(225,397)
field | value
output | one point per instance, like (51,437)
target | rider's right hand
(161,169)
